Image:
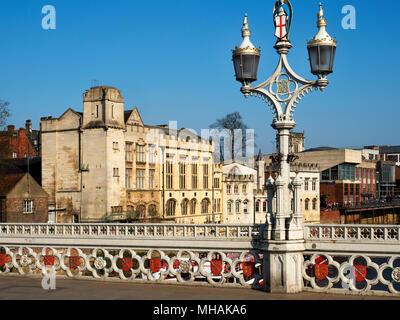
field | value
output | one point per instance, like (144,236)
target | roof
(237,169)
(389,149)
(8,182)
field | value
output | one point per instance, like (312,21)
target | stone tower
(103,153)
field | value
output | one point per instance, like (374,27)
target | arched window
(152,210)
(307,204)
(141,211)
(244,188)
(193,203)
(265,206)
(171,206)
(237,206)
(184,207)
(236,189)
(205,204)
(314,204)
(228,188)
(245,204)
(229,207)
(257,206)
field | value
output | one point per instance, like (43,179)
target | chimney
(10,128)
(28,126)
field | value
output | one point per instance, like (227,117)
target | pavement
(29,288)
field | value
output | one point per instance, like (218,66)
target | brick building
(15,144)
(347,178)
(21,198)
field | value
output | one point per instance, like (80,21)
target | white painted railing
(364,233)
(126,231)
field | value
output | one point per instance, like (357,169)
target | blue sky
(172,59)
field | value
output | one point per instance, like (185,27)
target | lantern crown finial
(321,20)
(245,28)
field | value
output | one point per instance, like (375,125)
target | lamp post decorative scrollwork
(282,91)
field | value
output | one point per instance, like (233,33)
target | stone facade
(105,164)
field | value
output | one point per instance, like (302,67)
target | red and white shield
(321,270)
(216,267)
(281,25)
(3,259)
(126,263)
(73,262)
(360,273)
(48,260)
(155,265)
(248,268)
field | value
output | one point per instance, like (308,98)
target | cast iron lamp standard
(282,91)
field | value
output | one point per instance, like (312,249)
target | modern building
(390,153)
(386,178)
(346,178)
(105,164)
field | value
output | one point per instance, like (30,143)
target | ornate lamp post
(282,91)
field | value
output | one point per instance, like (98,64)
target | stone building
(105,164)
(239,187)
(309,192)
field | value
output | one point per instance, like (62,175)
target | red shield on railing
(360,273)
(248,268)
(126,263)
(48,260)
(321,270)
(155,265)
(216,267)
(73,262)
(3,259)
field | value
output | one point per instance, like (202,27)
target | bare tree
(4,113)
(236,137)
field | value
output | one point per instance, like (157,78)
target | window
(314,204)
(205,206)
(265,206)
(169,173)
(307,204)
(306,184)
(216,183)
(116,209)
(244,187)
(184,207)
(182,175)
(141,211)
(194,176)
(97,111)
(228,188)
(140,154)
(115,145)
(112,111)
(314,185)
(14,155)
(152,154)
(392,157)
(171,206)
(229,207)
(205,176)
(236,189)
(115,172)
(128,151)
(245,204)
(28,206)
(237,206)
(128,178)
(193,203)
(140,178)
(152,210)
(151,179)
(257,206)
